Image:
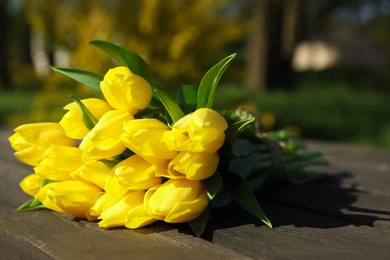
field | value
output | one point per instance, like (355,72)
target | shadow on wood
(321,203)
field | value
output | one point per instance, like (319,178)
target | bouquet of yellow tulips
(140,153)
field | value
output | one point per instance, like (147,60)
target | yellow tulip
(143,137)
(201,131)
(133,173)
(30,141)
(138,217)
(31,184)
(117,214)
(103,141)
(72,121)
(193,166)
(73,197)
(104,202)
(125,91)
(176,201)
(59,162)
(93,171)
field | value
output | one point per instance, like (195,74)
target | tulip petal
(103,141)
(93,171)
(164,202)
(113,186)
(187,211)
(31,184)
(143,137)
(72,121)
(116,214)
(72,197)
(138,217)
(136,174)
(59,162)
(193,166)
(125,91)
(30,141)
(104,202)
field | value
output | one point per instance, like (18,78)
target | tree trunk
(4,72)
(271,46)
(256,72)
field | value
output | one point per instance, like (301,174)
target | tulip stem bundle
(141,154)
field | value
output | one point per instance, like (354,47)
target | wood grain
(344,214)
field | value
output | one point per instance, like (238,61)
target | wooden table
(343,215)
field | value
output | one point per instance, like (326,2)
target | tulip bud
(125,91)
(73,197)
(31,141)
(118,213)
(176,201)
(104,202)
(192,166)
(59,162)
(103,141)
(93,171)
(201,131)
(31,184)
(143,137)
(133,173)
(72,121)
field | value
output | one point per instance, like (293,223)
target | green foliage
(238,127)
(88,78)
(209,83)
(198,225)
(127,58)
(333,113)
(170,105)
(213,185)
(33,203)
(15,105)
(243,195)
(88,118)
(187,98)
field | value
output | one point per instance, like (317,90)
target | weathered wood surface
(345,214)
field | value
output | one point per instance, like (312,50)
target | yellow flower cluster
(159,180)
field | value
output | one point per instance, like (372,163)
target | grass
(14,104)
(332,113)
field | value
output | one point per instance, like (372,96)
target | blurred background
(318,67)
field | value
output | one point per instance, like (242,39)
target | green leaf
(198,225)
(258,180)
(209,83)
(243,195)
(127,57)
(248,165)
(235,129)
(187,98)
(221,199)
(34,203)
(109,163)
(170,105)
(294,166)
(90,79)
(88,118)
(31,205)
(241,147)
(45,182)
(213,185)
(132,60)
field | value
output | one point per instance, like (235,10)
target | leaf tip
(268,223)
